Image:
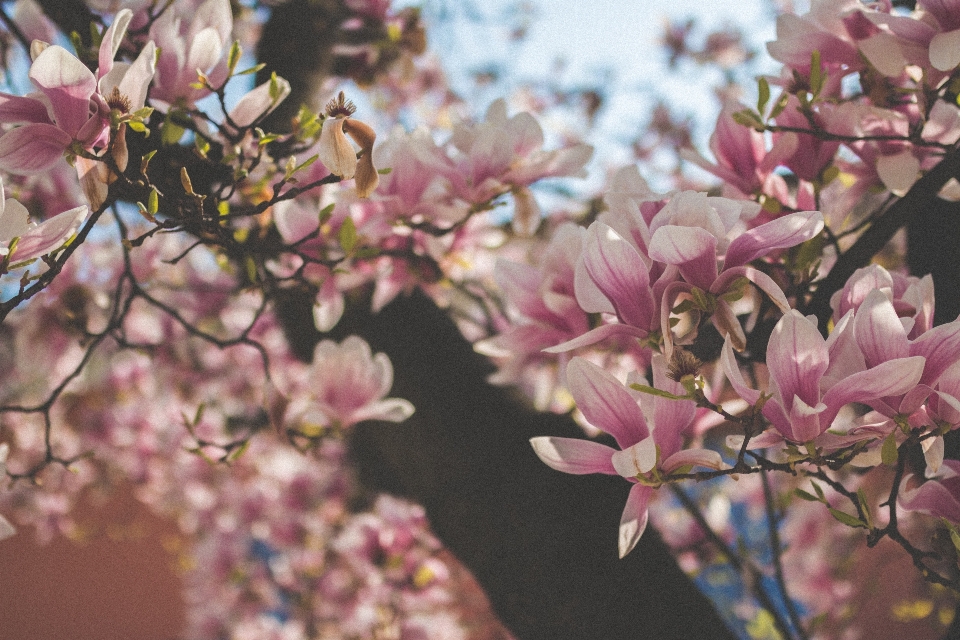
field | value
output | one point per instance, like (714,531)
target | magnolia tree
(195,265)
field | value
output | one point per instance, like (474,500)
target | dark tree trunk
(543,544)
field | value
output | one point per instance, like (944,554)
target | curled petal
(526,212)
(386,410)
(366,177)
(692,249)
(941,348)
(328,307)
(597,335)
(797,357)
(620,273)
(571,455)
(636,459)
(694,458)
(67,83)
(19,110)
(782,233)
(259,102)
(729,363)
(112,38)
(945,50)
(761,280)
(335,151)
(898,172)
(891,378)
(933,453)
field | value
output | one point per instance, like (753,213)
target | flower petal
(636,459)
(692,249)
(49,234)
(782,233)
(67,83)
(633,522)
(572,455)
(32,148)
(606,403)
(891,378)
(614,265)
(693,458)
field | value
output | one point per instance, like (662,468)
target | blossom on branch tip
(34,240)
(346,384)
(336,152)
(647,452)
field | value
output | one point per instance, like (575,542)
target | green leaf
(803,495)
(764,89)
(703,300)
(202,146)
(306,163)
(819,490)
(955,539)
(153,202)
(847,519)
(655,392)
(142,210)
(252,69)
(748,118)
(780,104)
(274,89)
(888,453)
(683,307)
(864,505)
(234,56)
(385,171)
(170,132)
(348,234)
(326,212)
(239,451)
(816,74)
(145,161)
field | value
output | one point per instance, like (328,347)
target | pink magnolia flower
(347,384)
(34,240)
(944,49)
(743,161)
(646,452)
(504,154)
(823,30)
(192,36)
(693,231)
(938,497)
(547,313)
(74,111)
(801,407)
(911,297)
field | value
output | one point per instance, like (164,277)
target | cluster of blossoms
(146,359)
(700,336)
(238,442)
(860,383)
